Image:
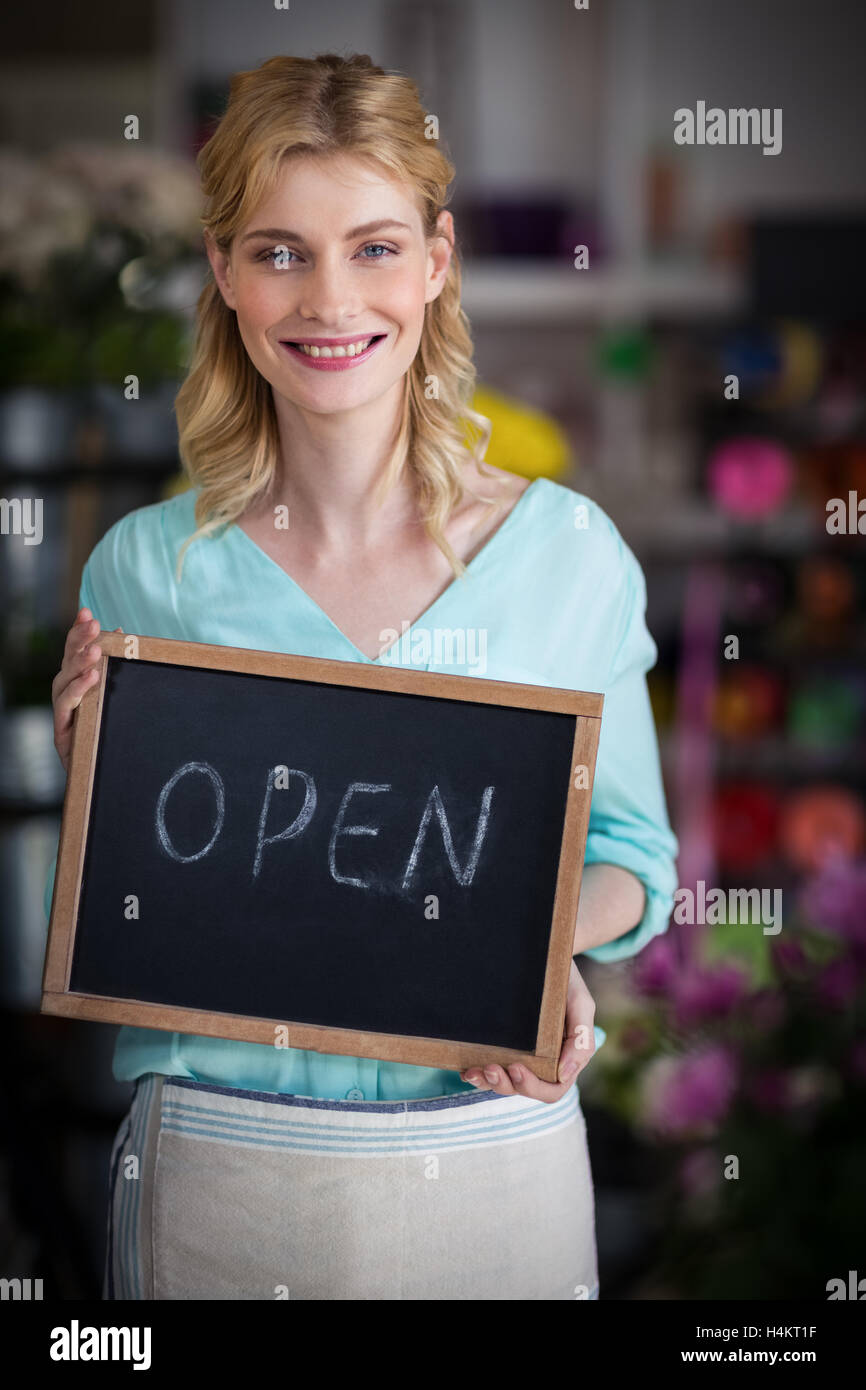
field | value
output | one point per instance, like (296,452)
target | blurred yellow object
(663,697)
(802,353)
(176,484)
(523,441)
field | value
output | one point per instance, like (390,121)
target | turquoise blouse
(554,598)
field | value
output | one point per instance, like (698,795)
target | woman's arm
(629,874)
(612,901)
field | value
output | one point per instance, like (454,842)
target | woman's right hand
(75,677)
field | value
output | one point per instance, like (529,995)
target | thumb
(578,1042)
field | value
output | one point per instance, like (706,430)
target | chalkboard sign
(322,854)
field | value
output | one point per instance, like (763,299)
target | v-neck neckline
(472,565)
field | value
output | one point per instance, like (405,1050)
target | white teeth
(351,350)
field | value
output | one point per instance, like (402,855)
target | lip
(332,364)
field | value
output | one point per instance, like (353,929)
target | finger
(76,658)
(526,1083)
(83,630)
(578,1042)
(490,1078)
(92,652)
(577,1048)
(71,698)
(76,665)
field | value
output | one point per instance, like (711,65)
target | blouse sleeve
(628,821)
(85,600)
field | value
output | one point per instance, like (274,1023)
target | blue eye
(272,252)
(374,245)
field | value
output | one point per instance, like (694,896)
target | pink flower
(688,1095)
(702,993)
(750,476)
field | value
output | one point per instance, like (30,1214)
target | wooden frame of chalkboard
(79,851)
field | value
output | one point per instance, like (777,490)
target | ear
(439,256)
(221,266)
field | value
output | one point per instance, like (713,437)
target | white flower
(149,192)
(41,214)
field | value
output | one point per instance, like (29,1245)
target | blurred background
(703,378)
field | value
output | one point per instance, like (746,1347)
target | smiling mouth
(350,352)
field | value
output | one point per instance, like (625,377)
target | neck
(329,469)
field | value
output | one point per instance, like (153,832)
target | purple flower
(789,958)
(635,1037)
(838,984)
(856,1059)
(700,1173)
(688,1095)
(834,900)
(766,1010)
(811,1086)
(770,1089)
(800,1089)
(702,993)
(657,967)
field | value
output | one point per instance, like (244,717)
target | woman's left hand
(577,1047)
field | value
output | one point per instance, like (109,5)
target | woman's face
(321,259)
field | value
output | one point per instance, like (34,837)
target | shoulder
(129,576)
(142,538)
(598,580)
(573,554)
(571,528)
(552,515)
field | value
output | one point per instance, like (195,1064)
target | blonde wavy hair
(229,443)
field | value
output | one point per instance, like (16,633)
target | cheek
(404,296)
(259,302)
(402,301)
(259,305)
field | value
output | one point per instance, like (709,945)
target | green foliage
(744,942)
(75,327)
(150,345)
(35,352)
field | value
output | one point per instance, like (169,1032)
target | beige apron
(219,1193)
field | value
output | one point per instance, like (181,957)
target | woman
(338,501)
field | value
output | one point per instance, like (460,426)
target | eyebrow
(282,234)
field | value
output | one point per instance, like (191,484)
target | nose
(328,293)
